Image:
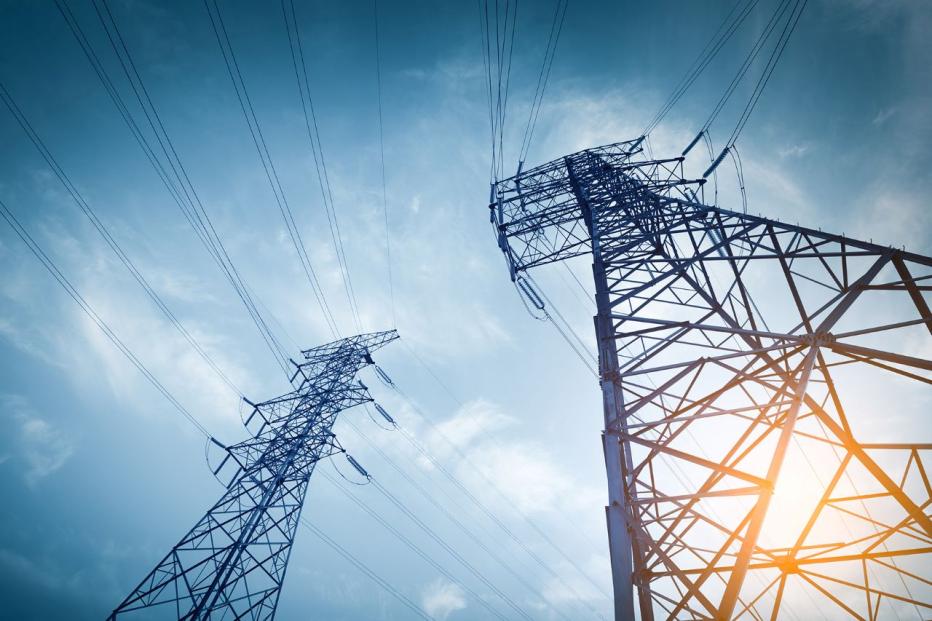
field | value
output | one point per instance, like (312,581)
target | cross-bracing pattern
(232,563)
(756,377)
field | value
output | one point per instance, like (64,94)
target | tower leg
(623,549)
(619,539)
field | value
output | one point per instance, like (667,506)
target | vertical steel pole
(622,546)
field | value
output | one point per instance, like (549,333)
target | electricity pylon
(232,563)
(753,374)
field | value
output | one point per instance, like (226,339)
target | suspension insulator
(384,414)
(355,464)
(693,143)
(361,385)
(384,376)
(532,295)
(715,164)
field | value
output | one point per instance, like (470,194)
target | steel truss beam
(733,349)
(231,565)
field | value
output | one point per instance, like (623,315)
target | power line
(195,213)
(543,77)
(442,542)
(486,510)
(725,31)
(296,48)
(412,546)
(186,197)
(265,157)
(104,232)
(501,67)
(503,99)
(394,592)
(778,12)
(487,64)
(388,244)
(476,539)
(75,295)
(789,26)
(775,56)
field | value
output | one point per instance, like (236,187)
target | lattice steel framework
(753,375)
(232,563)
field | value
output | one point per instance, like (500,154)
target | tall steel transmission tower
(753,374)
(232,563)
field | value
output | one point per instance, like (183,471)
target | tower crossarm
(537,215)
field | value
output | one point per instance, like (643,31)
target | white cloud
(39,446)
(570,586)
(469,423)
(883,115)
(61,334)
(527,475)
(441,598)
(796,150)
(525,472)
(23,339)
(893,215)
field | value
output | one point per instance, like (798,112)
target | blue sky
(100,476)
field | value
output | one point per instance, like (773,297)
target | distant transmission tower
(232,563)
(753,374)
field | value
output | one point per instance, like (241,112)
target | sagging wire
(388,245)
(392,425)
(708,143)
(549,302)
(499,64)
(739,170)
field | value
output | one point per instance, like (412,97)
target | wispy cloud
(524,471)
(442,598)
(883,115)
(471,421)
(37,445)
(796,150)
